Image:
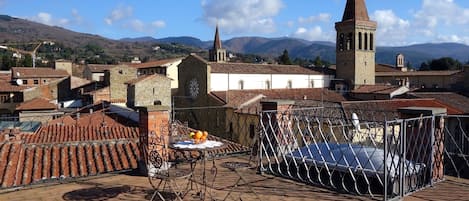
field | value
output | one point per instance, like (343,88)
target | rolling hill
(16,30)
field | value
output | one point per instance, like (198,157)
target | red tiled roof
(27,72)
(419,73)
(76,82)
(99,68)
(237,97)
(67,133)
(24,164)
(36,104)
(377,89)
(386,68)
(394,104)
(450,98)
(97,119)
(7,86)
(144,77)
(247,68)
(159,63)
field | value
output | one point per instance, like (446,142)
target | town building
(149,90)
(355,46)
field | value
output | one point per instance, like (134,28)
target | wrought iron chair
(241,167)
(165,174)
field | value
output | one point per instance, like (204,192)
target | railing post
(402,159)
(432,159)
(385,138)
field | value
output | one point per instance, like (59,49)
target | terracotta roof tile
(159,63)
(386,68)
(248,68)
(355,10)
(378,89)
(26,72)
(450,98)
(237,97)
(77,82)
(143,78)
(7,86)
(36,104)
(419,73)
(29,163)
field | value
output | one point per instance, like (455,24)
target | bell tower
(217,53)
(355,45)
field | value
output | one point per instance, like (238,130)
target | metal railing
(380,159)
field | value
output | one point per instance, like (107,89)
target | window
(241,84)
(360,41)
(252,131)
(121,72)
(4,98)
(267,84)
(289,84)
(366,41)
(44,81)
(36,81)
(371,41)
(25,81)
(312,83)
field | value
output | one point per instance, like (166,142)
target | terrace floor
(127,186)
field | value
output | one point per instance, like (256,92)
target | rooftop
(36,104)
(247,68)
(159,63)
(28,72)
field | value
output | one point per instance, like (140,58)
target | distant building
(149,90)
(116,78)
(355,46)
(64,65)
(95,72)
(28,76)
(167,67)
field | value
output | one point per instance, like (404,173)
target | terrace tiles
(126,186)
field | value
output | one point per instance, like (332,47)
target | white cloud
(242,16)
(158,24)
(48,19)
(142,27)
(77,18)
(119,13)
(392,30)
(322,17)
(437,18)
(313,34)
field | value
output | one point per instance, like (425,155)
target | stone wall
(151,91)
(117,77)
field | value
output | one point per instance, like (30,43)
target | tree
(284,58)
(318,62)
(27,61)
(445,63)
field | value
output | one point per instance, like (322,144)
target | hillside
(82,46)
(93,48)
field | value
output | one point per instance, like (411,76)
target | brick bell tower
(355,46)
(217,53)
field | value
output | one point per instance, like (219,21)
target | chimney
(153,122)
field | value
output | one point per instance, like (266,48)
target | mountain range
(16,30)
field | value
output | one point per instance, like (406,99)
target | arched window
(371,41)
(360,41)
(289,84)
(241,84)
(366,41)
(312,83)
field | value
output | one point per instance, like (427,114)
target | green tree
(318,62)
(27,61)
(284,58)
(445,63)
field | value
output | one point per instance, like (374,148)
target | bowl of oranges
(198,136)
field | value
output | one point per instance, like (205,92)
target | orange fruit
(205,133)
(198,135)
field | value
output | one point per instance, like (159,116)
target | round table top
(190,145)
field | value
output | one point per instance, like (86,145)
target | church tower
(355,45)
(217,53)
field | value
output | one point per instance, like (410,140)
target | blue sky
(400,22)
